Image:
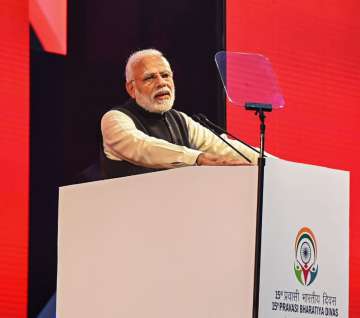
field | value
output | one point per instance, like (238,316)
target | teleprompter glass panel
(249,78)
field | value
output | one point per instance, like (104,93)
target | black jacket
(169,126)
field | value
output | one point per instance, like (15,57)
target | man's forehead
(150,64)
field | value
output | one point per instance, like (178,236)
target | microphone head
(196,118)
(203,117)
(209,123)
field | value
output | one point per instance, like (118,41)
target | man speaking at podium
(146,134)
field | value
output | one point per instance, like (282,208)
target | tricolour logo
(305,266)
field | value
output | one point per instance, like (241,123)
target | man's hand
(208,159)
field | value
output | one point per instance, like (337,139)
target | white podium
(180,243)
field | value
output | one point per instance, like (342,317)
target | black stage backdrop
(70,93)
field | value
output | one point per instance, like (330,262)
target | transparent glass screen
(249,78)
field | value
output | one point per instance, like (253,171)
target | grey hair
(135,58)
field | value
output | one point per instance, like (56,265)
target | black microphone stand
(202,121)
(210,123)
(259,110)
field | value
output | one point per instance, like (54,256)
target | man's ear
(130,88)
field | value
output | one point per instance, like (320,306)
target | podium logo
(305,266)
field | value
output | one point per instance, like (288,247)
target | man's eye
(149,78)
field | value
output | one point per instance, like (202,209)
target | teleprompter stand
(260,110)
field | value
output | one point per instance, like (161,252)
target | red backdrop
(14,156)
(315,50)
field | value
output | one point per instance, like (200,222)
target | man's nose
(160,81)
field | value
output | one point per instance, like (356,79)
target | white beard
(152,105)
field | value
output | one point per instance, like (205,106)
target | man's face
(152,85)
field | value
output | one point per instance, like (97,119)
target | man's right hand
(208,159)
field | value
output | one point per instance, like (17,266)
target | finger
(238,163)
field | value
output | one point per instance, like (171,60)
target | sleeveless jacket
(169,126)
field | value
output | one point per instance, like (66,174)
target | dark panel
(46,170)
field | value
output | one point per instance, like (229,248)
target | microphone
(203,119)
(199,119)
